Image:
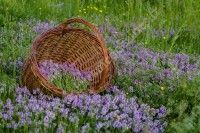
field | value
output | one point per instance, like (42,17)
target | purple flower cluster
(133,60)
(112,110)
(42,26)
(50,69)
(182,62)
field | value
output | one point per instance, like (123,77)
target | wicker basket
(85,49)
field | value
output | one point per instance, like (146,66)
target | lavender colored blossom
(85,128)
(99,125)
(73,118)
(162,111)
(167,73)
(50,114)
(60,129)
(171,33)
(64,112)
(105,109)
(46,121)
(42,26)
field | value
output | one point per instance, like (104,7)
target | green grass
(181,16)
(148,17)
(69,83)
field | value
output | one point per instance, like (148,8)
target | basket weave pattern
(85,49)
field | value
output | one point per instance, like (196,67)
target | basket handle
(84,22)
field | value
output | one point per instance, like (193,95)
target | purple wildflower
(60,129)
(162,111)
(167,73)
(171,33)
(85,128)
(99,126)
(42,26)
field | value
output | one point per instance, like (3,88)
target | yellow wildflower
(162,88)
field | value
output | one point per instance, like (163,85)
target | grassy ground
(168,15)
(169,26)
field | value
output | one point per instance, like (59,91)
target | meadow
(155,45)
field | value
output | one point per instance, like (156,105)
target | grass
(162,25)
(68,83)
(180,16)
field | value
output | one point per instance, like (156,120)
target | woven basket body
(85,49)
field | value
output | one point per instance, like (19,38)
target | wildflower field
(154,44)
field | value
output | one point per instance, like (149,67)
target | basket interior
(75,46)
